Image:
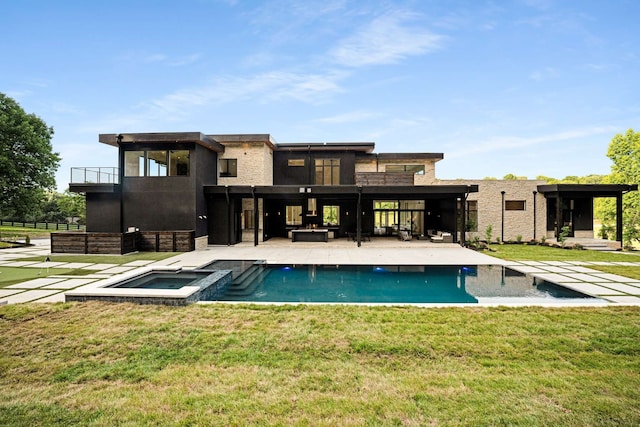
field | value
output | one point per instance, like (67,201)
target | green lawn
(12,275)
(121,364)
(546,253)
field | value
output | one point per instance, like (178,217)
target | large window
(415,169)
(293,215)
(228,167)
(331,215)
(471,212)
(327,171)
(134,163)
(178,162)
(156,163)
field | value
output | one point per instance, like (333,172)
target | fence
(44,225)
(94,175)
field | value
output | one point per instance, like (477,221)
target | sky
(528,87)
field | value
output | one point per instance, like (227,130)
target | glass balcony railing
(94,175)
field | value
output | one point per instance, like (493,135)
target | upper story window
(295,162)
(327,172)
(228,167)
(156,163)
(415,169)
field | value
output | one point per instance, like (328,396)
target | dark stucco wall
(103,212)
(305,175)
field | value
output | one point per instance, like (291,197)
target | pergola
(568,191)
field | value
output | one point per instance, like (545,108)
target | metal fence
(44,225)
(94,175)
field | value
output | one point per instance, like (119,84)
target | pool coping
(103,290)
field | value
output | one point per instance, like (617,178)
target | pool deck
(617,290)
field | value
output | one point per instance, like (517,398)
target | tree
(624,151)
(73,206)
(27,161)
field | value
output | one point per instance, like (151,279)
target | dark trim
(594,190)
(388,191)
(161,138)
(366,147)
(94,188)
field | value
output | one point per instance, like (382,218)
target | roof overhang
(264,138)
(345,191)
(586,190)
(116,139)
(366,147)
(93,188)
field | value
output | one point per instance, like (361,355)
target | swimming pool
(396,284)
(163,280)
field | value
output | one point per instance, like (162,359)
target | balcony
(384,178)
(94,175)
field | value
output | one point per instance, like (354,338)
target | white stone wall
(255,163)
(490,210)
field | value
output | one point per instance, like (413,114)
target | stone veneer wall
(255,163)
(516,223)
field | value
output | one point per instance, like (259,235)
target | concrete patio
(381,251)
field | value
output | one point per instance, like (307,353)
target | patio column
(359,217)
(463,222)
(558,215)
(535,213)
(619,217)
(226,192)
(502,218)
(256,216)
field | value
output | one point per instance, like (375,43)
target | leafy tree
(73,206)
(624,151)
(513,177)
(27,162)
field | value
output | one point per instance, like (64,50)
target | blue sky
(531,87)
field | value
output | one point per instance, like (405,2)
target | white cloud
(350,117)
(386,40)
(506,143)
(262,88)
(544,74)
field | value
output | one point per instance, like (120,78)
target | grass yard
(12,275)
(121,364)
(546,253)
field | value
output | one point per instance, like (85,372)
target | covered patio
(571,205)
(356,212)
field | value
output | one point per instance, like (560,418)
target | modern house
(187,190)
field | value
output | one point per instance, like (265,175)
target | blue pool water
(163,280)
(394,284)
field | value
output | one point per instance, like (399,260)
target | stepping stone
(138,263)
(29,296)
(622,287)
(591,289)
(629,300)
(35,283)
(69,284)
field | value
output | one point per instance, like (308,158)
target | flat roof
(587,189)
(402,156)
(115,139)
(365,147)
(264,138)
(380,191)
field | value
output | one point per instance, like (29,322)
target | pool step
(247,281)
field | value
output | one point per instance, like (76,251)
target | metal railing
(43,225)
(94,175)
